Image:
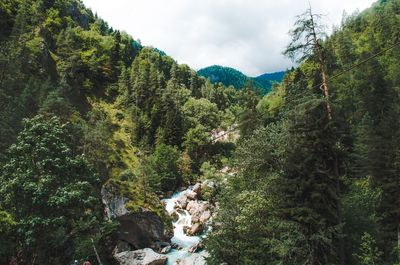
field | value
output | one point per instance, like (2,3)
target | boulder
(166,250)
(191,195)
(196,228)
(195,219)
(197,188)
(140,257)
(205,216)
(196,248)
(139,230)
(196,207)
(175,246)
(182,201)
(186,229)
(121,246)
(115,205)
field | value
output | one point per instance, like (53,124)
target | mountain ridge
(232,77)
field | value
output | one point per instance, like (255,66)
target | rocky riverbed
(141,236)
(192,217)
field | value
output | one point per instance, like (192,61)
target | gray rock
(196,248)
(141,230)
(191,195)
(196,228)
(195,219)
(197,207)
(121,246)
(197,188)
(205,216)
(114,204)
(140,257)
(166,250)
(182,201)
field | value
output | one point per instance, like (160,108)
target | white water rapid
(180,238)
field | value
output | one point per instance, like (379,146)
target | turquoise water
(180,238)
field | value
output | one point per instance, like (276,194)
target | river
(180,238)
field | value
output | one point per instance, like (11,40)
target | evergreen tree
(50,193)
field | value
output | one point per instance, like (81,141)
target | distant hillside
(232,77)
(269,78)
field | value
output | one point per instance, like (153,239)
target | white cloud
(249,35)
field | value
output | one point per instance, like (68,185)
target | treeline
(83,106)
(319,184)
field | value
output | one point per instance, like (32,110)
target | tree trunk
(325,90)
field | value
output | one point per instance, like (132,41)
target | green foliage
(59,59)
(165,174)
(49,190)
(201,112)
(369,253)
(360,213)
(292,162)
(232,77)
(196,142)
(6,222)
(298,173)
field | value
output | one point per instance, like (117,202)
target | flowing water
(180,238)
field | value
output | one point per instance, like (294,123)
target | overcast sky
(248,35)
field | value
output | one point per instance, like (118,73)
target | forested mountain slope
(95,129)
(87,111)
(232,77)
(320,175)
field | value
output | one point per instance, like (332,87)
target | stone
(195,219)
(121,246)
(186,229)
(115,205)
(140,230)
(174,245)
(196,228)
(194,207)
(191,195)
(140,257)
(197,188)
(182,201)
(205,216)
(196,248)
(166,250)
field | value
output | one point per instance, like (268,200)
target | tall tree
(51,193)
(306,45)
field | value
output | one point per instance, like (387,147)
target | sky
(248,35)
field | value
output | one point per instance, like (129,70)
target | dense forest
(85,106)
(232,77)
(85,110)
(319,176)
